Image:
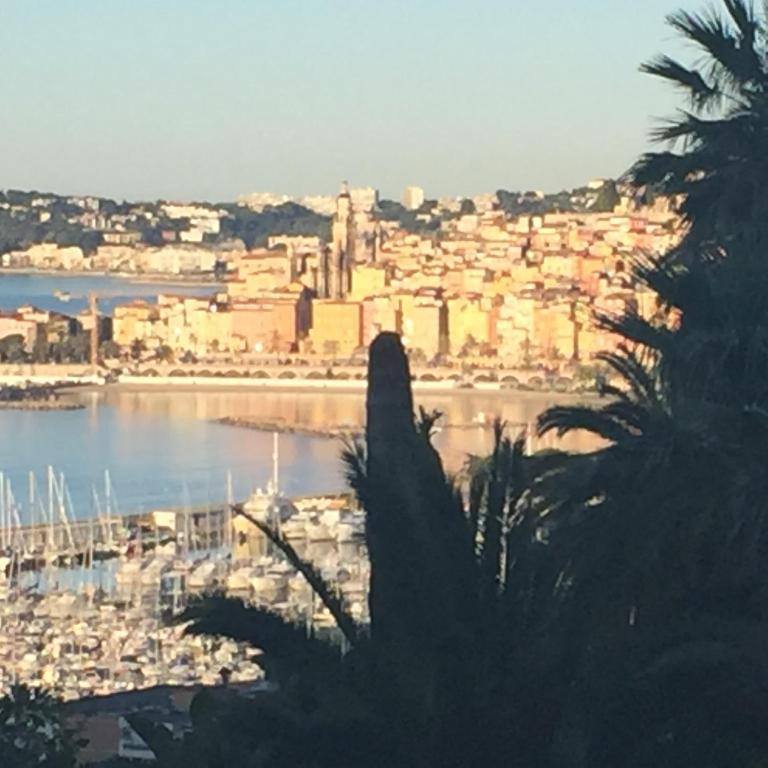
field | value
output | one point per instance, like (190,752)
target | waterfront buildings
(463,283)
(510,290)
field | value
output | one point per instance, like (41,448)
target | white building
(258,201)
(364,199)
(413,198)
(322,204)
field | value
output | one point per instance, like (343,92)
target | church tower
(342,256)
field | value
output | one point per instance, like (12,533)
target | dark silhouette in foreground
(606,609)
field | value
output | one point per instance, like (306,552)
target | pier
(46,531)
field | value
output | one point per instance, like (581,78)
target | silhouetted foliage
(667,523)
(599,609)
(607,198)
(721,133)
(32,732)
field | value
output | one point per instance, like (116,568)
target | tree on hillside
(165,354)
(138,348)
(607,197)
(467,207)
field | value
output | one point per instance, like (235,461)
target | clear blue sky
(206,99)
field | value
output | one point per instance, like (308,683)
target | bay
(39,289)
(165,449)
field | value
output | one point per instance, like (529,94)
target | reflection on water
(163,449)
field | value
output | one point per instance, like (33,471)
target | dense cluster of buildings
(125,258)
(490,278)
(518,290)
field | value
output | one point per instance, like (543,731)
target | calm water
(162,449)
(38,290)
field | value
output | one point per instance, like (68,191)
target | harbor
(87,605)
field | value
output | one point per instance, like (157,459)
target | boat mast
(275,463)
(3,541)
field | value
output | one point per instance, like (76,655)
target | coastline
(151,384)
(143,278)
(283,428)
(40,405)
(331,432)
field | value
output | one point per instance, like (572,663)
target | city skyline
(204,102)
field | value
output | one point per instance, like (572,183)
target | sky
(210,99)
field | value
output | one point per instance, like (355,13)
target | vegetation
(420,221)
(254,228)
(602,609)
(672,512)
(607,198)
(427,682)
(35,217)
(48,218)
(32,732)
(606,609)
(13,349)
(582,199)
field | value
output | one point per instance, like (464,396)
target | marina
(86,605)
(114,516)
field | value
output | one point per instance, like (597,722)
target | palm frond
(354,459)
(327,594)
(736,60)
(494,511)
(426,421)
(574,418)
(637,372)
(666,170)
(699,90)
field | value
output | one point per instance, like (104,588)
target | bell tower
(342,254)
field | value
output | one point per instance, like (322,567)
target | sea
(44,291)
(166,449)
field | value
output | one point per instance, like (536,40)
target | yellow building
(379,314)
(368,280)
(555,332)
(468,321)
(424,328)
(337,327)
(133,321)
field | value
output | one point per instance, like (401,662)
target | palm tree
(459,591)
(717,157)
(667,524)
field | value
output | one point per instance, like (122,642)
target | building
(337,327)
(275,324)
(339,258)
(471,325)
(13,324)
(364,199)
(413,198)
(133,322)
(368,280)
(424,328)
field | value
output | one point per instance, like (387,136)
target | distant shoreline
(40,405)
(129,277)
(151,385)
(261,425)
(327,432)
